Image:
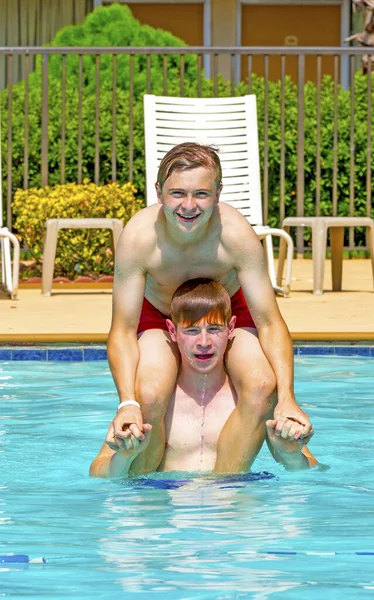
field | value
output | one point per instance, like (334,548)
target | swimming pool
(176,536)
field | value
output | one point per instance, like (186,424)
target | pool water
(183,535)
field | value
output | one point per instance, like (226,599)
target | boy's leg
(155,381)
(254,380)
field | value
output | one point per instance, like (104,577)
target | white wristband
(128,403)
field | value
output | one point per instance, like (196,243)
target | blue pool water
(175,536)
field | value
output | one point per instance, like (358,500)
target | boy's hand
(128,423)
(132,440)
(289,412)
(285,435)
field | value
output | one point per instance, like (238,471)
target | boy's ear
(219,190)
(158,192)
(232,326)
(171,329)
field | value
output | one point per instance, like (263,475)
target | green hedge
(79,251)
(115,26)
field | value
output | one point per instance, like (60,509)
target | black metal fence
(239,64)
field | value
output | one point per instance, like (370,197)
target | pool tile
(5,354)
(95,354)
(65,354)
(316,350)
(352,350)
(29,354)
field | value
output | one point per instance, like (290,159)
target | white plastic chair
(53,226)
(230,124)
(9,279)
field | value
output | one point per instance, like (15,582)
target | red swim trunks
(152,318)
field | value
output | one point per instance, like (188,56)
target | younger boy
(203,398)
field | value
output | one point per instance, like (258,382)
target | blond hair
(189,155)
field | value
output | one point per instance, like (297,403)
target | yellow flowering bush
(79,251)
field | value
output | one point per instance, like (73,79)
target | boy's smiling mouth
(188,218)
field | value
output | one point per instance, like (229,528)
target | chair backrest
(230,124)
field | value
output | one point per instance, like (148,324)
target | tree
(365,37)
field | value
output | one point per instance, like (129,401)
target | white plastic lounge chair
(9,279)
(230,124)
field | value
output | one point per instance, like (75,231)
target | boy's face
(202,346)
(188,198)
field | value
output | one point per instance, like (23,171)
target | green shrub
(79,251)
(113,26)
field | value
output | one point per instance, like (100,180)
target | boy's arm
(112,462)
(122,347)
(293,454)
(273,334)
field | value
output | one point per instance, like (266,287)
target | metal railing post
(10,136)
(300,151)
(45,116)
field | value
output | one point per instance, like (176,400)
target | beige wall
(223,22)
(224,29)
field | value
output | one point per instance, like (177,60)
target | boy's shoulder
(231,216)
(139,239)
(144,217)
(234,226)
(141,227)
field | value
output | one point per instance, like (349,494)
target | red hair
(198,299)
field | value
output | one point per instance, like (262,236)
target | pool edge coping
(102,338)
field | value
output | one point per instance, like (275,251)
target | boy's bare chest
(173,266)
(192,428)
(197,419)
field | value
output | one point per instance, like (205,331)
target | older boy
(189,234)
(201,325)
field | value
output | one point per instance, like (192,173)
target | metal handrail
(259,50)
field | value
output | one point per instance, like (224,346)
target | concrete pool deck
(84,314)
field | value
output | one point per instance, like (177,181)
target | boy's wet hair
(189,155)
(198,299)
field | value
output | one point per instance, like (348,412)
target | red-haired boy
(203,398)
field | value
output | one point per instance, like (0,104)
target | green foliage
(79,251)
(115,26)
(360,133)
